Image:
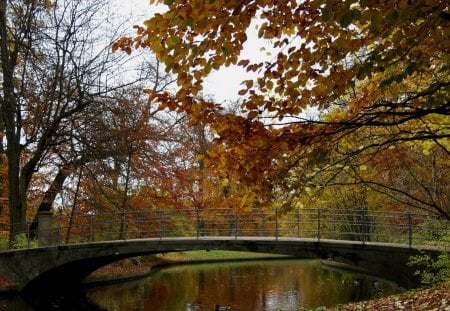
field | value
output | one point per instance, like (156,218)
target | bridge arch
(60,268)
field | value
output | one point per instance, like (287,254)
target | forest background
(87,129)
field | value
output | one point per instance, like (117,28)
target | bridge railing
(355,225)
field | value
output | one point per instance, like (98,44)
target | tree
(395,172)
(56,62)
(367,64)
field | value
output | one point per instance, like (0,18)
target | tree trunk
(10,119)
(124,207)
(49,196)
(74,205)
(16,208)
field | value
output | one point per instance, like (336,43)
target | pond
(288,284)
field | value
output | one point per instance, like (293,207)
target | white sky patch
(137,10)
(225,83)
(222,84)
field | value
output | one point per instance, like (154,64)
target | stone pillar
(44,228)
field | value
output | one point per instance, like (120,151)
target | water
(246,286)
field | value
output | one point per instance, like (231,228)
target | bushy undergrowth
(22,241)
(431,270)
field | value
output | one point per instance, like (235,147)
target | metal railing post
(138,227)
(110,235)
(335,235)
(161,225)
(318,225)
(236,225)
(125,228)
(276,223)
(264,228)
(28,234)
(410,230)
(58,236)
(91,228)
(197,217)
(362,219)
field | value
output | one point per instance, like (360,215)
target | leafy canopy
(365,63)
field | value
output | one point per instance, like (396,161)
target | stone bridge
(64,267)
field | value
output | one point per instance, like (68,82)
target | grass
(213,255)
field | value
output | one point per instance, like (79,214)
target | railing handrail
(362,225)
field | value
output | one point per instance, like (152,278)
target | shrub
(430,270)
(22,241)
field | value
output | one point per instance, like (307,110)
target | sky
(223,84)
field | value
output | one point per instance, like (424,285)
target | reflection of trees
(243,286)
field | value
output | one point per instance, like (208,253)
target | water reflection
(74,301)
(245,286)
(262,285)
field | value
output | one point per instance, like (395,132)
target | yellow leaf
(247,200)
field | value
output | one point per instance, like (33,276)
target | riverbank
(436,298)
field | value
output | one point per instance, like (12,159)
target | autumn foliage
(366,67)
(346,98)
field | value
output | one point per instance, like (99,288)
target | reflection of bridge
(70,249)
